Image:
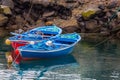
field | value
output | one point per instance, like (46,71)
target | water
(87,62)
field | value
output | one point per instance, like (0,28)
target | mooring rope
(15,59)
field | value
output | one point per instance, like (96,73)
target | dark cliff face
(72,15)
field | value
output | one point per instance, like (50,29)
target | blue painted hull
(46,54)
(32,35)
(62,45)
(23,39)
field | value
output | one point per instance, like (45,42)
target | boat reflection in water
(33,64)
(9,59)
(54,68)
(44,62)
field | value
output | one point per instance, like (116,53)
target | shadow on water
(69,59)
(53,68)
(49,68)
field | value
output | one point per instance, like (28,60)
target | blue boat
(36,34)
(59,46)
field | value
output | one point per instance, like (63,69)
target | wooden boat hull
(59,46)
(45,54)
(18,41)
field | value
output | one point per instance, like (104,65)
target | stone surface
(66,23)
(89,11)
(118,34)
(91,25)
(48,14)
(5,10)
(19,20)
(3,32)
(87,16)
(8,3)
(118,14)
(3,20)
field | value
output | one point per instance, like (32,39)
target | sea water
(88,61)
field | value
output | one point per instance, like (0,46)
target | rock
(118,34)
(48,14)
(101,6)
(18,11)
(79,18)
(82,24)
(3,32)
(101,13)
(112,4)
(88,13)
(44,2)
(3,20)
(118,15)
(72,5)
(13,27)
(39,23)
(108,14)
(70,29)
(105,31)
(5,10)
(91,25)
(8,3)
(70,1)
(65,23)
(76,12)
(49,23)
(19,20)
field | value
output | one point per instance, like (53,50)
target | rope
(15,59)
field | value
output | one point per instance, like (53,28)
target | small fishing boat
(55,47)
(36,35)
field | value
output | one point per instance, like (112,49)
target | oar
(15,34)
(26,35)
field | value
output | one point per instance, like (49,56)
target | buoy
(17,52)
(7,42)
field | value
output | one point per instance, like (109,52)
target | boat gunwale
(52,50)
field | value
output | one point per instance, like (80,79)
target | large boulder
(8,3)
(89,11)
(65,23)
(5,10)
(91,25)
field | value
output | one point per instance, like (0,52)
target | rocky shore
(82,16)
